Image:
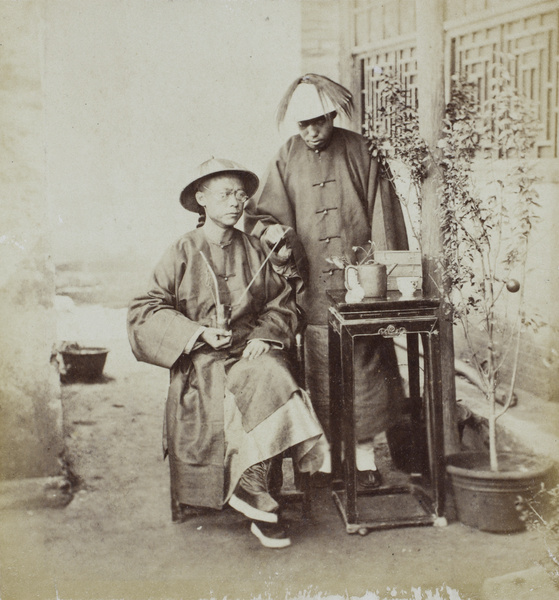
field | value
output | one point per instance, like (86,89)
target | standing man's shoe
(369,480)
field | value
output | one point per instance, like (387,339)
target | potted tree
(489,205)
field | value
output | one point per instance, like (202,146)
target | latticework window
(383,37)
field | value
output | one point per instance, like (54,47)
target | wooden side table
(388,317)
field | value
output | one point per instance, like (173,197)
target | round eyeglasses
(226,195)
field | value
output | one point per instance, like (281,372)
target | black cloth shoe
(251,496)
(369,480)
(270,535)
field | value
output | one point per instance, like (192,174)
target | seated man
(220,318)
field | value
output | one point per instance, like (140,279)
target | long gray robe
(264,399)
(334,199)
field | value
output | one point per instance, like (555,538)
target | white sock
(365,457)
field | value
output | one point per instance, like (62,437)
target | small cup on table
(408,286)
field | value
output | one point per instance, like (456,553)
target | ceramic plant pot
(487,499)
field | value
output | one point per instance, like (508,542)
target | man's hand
(255,348)
(216,338)
(272,235)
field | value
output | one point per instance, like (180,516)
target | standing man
(324,193)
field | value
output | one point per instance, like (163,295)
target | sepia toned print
(106,107)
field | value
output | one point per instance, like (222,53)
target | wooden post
(431,100)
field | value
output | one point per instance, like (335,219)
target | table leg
(434,418)
(417,446)
(413,364)
(348,427)
(413,377)
(336,402)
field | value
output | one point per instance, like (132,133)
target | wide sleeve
(273,205)
(157,331)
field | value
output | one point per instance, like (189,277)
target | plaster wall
(539,349)
(30,407)
(321,31)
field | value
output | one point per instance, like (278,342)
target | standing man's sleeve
(274,206)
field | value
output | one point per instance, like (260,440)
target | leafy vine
(393,134)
